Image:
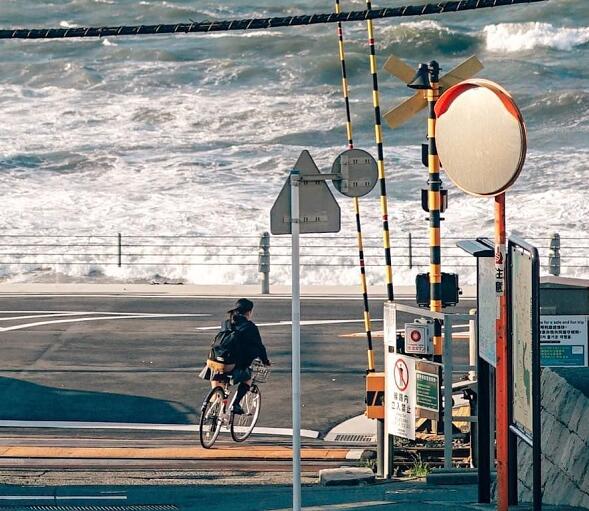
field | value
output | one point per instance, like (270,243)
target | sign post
(481,141)
(295,180)
(306,205)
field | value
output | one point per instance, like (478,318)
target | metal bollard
(264,262)
(120,247)
(410,247)
(554,255)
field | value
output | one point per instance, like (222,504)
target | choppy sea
(194,135)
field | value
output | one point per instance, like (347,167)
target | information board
(487,307)
(521,324)
(524,338)
(564,341)
(427,387)
(400,396)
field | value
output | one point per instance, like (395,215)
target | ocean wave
(568,108)
(516,37)
(425,37)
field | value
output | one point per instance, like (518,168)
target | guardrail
(408,251)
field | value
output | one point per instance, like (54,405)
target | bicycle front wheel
(243,425)
(210,417)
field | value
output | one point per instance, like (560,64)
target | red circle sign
(415,336)
(401,375)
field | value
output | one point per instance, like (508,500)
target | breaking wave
(515,37)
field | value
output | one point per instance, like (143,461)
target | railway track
(263,455)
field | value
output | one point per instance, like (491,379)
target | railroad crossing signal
(408,108)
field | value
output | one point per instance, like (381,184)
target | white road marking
(256,297)
(36,316)
(142,316)
(27,497)
(303,323)
(62,497)
(90,497)
(307,433)
(342,507)
(96,312)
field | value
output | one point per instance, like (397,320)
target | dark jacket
(250,342)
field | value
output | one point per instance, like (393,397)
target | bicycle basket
(260,372)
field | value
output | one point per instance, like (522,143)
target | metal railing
(408,251)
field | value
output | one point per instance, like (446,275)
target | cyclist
(248,346)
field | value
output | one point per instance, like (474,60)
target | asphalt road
(143,369)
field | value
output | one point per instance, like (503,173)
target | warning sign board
(400,396)
(401,375)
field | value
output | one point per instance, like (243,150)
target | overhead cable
(257,23)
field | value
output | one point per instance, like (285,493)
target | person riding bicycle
(244,345)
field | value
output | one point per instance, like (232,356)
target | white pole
(296,341)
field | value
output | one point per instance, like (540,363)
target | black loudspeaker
(450,289)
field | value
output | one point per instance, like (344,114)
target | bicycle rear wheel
(210,417)
(243,425)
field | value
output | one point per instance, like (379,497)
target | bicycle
(215,410)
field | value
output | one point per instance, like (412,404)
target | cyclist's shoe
(236,409)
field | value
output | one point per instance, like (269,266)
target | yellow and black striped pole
(345,87)
(380,158)
(345,90)
(434,205)
(380,426)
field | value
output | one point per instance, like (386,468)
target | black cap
(242,306)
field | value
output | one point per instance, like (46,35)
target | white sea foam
(411,31)
(514,37)
(185,161)
(67,24)
(191,136)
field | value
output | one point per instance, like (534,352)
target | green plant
(419,468)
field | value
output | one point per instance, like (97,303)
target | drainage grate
(356,439)
(57,507)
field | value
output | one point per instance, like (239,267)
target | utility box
(375,395)
(419,337)
(564,322)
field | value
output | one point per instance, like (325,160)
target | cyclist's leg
(218,380)
(244,377)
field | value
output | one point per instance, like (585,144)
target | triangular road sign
(408,108)
(319,211)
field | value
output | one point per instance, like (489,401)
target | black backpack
(225,345)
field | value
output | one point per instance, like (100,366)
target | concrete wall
(565,435)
